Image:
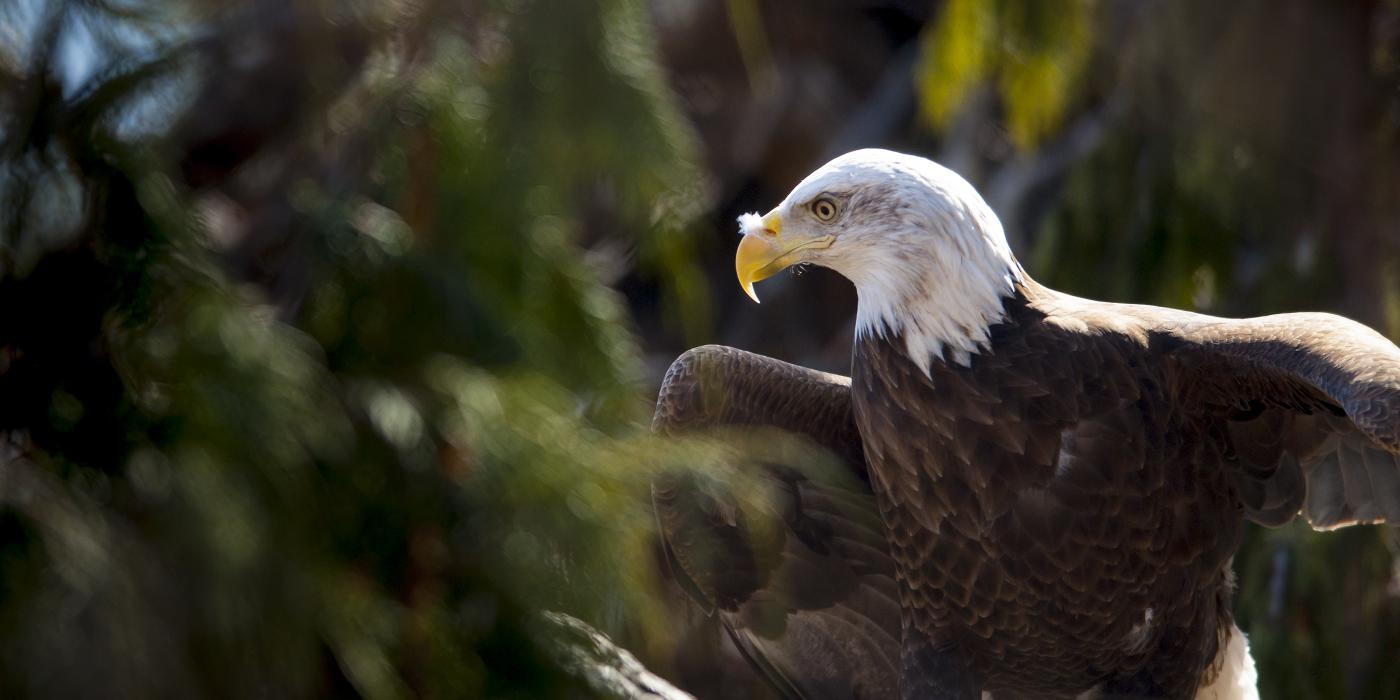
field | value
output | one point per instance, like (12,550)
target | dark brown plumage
(1061,489)
(811,602)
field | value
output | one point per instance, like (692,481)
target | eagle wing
(799,571)
(1313,402)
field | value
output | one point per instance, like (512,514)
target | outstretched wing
(1314,408)
(798,572)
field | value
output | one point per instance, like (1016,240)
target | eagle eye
(824,209)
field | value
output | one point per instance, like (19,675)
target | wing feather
(798,571)
(1308,395)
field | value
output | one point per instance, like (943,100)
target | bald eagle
(1046,491)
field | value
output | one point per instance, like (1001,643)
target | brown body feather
(1053,496)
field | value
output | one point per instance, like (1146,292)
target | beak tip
(748,289)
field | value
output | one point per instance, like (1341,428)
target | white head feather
(928,257)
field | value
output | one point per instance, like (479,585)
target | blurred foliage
(312,379)
(1320,611)
(1033,53)
(1230,192)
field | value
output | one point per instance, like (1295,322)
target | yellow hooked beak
(764,253)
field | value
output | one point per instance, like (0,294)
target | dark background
(328,329)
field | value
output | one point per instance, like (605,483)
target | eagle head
(927,256)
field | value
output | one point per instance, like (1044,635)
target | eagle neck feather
(942,303)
